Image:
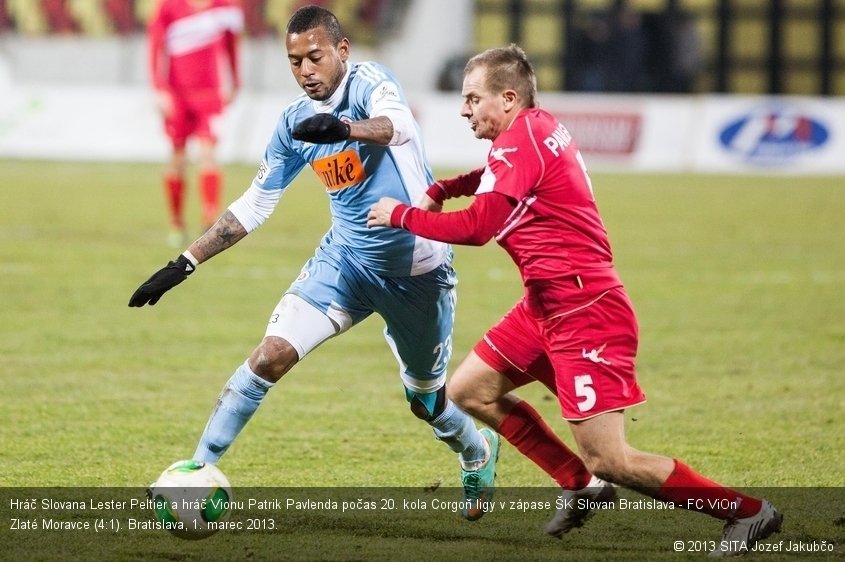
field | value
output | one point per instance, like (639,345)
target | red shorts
(586,357)
(193,115)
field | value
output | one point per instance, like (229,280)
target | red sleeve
(460,186)
(473,226)
(155,50)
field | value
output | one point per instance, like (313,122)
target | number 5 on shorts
(585,391)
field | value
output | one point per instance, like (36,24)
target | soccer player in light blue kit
(355,129)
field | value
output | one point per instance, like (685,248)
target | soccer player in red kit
(190,43)
(574,328)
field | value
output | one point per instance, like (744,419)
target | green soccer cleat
(479,484)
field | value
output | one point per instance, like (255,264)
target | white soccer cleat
(575,507)
(740,535)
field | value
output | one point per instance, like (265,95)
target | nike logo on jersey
(594,355)
(499,154)
(341,170)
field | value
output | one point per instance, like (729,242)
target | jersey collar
(329,105)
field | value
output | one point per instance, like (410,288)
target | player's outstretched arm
(224,234)
(326,128)
(321,128)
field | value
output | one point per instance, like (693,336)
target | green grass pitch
(737,281)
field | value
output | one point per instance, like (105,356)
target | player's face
(484,109)
(317,64)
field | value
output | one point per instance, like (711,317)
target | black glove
(162,281)
(321,128)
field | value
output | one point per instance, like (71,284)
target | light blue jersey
(356,174)
(356,270)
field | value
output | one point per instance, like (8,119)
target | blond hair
(507,68)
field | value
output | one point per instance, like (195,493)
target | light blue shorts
(418,311)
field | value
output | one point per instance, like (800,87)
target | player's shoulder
(532,125)
(295,111)
(535,120)
(299,104)
(370,74)
(370,80)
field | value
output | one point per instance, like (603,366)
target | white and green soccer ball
(191,499)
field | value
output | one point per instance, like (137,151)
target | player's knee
(273,358)
(427,406)
(463,394)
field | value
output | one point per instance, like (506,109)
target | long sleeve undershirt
(473,226)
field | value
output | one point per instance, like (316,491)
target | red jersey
(187,45)
(554,232)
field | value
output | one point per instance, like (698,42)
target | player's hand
(162,281)
(379,214)
(321,128)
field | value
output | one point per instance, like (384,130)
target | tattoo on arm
(378,130)
(224,234)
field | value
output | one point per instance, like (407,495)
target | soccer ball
(191,499)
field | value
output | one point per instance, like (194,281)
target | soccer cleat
(571,513)
(740,535)
(480,484)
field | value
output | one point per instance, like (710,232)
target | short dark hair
(508,68)
(311,16)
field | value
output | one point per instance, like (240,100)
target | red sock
(210,189)
(525,429)
(690,490)
(175,193)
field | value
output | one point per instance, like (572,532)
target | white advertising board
(771,135)
(706,134)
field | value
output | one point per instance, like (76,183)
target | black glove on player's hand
(321,128)
(162,281)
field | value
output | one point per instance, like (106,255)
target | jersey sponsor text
(341,170)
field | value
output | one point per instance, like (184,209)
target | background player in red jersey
(189,42)
(574,329)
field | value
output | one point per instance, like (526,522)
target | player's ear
(509,99)
(343,49)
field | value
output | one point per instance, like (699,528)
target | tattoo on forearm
(378,130)
(224,234)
